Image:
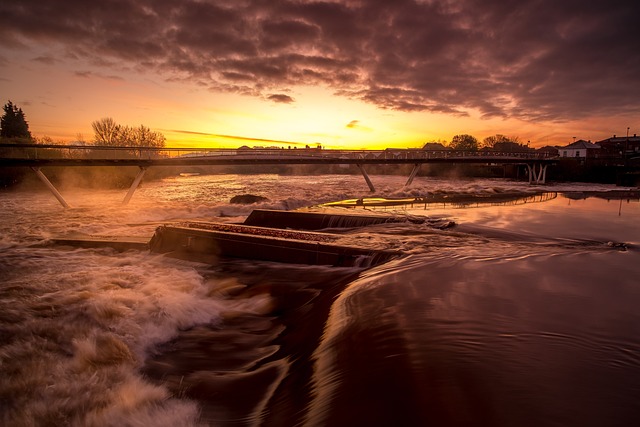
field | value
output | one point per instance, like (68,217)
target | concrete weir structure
(275,236)
(316,221)
(206,243)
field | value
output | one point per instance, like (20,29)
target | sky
(348,74)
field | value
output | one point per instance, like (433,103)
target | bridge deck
(57,155)
(36,156)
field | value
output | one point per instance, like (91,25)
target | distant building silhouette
(434,146)
(549,150)
(618,146)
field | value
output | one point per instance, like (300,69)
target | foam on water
(77,325)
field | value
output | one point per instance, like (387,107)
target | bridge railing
(52,151)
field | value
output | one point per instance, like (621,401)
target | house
(435,146)
(580,149)
(511,147)
(616,146)
(549,151)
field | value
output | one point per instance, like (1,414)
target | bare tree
(107,132)
(142,136)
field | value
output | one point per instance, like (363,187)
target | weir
(319,221)
(280,237)
(195,243)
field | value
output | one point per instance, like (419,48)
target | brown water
(523,313)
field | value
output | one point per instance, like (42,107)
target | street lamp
(626,148)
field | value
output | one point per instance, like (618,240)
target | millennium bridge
(36,156)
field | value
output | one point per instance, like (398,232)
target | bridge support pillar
(539,177)
(50,186)
(366,178)
(134,185)
(544,174)
(414,172)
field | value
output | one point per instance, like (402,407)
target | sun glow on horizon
(189,116)
(316,117)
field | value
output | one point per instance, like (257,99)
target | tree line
(466,142)
(14,126)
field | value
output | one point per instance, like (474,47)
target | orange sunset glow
(341,73)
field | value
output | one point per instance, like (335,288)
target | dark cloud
(280,98)
(356,124)
(529,59)
(47,60)
(91,74)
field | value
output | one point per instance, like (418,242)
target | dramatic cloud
(529,59)
(355,124)
(281,98)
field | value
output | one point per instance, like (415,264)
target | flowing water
(502,311)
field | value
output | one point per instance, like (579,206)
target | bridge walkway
(36,156)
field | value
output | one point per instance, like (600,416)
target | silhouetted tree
(13,123)
(491,141)
(108,132)
(464,142)
(510,146)
(142,136)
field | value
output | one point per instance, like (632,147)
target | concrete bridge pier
(414,172)
(50,186)
(366,177)
(134,185)
(538,177)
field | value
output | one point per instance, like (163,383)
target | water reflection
(546,339)
(549,216)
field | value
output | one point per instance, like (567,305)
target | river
(502,311)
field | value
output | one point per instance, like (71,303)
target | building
(617,146)
(435,146)
(549,151)
(580,149)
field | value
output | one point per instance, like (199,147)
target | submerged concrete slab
(116,242)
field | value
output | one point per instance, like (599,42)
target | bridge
(36,156)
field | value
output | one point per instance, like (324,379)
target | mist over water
(509,312)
